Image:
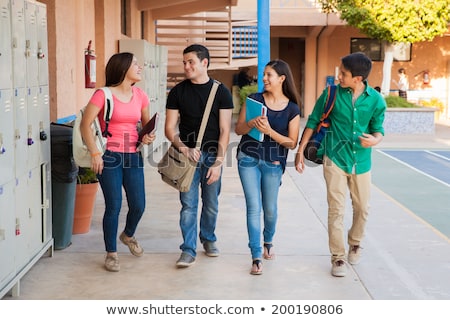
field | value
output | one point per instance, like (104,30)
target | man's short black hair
(201,51)
(358,64)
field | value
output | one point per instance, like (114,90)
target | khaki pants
(338,182)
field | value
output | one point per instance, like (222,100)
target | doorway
(292,50)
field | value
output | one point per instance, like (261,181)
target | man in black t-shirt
(186,102)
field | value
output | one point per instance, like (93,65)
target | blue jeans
(189,207)
(261,181)
(127,170)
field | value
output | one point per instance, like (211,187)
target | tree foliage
(394,20)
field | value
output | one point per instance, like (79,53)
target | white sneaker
(354,254)
(339,269)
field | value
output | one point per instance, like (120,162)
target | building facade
(310,41)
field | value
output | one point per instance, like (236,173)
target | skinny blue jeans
(261,182)
(210,207)
(127,170)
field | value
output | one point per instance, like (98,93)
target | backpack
(81,154)
(315,142)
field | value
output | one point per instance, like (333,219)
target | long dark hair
(117,68)
(282,69)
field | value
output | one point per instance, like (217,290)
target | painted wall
(72,23)
(334,42)
(433,56)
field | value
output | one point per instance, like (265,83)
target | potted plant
(85,195)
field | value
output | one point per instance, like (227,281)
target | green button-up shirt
(348,121)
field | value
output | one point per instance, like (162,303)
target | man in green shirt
(356,126)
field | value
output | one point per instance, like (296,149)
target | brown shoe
(133,245)
(112,263)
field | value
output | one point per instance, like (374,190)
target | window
(374,49)
(371,47)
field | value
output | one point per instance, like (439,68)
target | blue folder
(254,109)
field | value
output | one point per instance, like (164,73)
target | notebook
(150,127)
(254,109)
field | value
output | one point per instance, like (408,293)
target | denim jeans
(127,170)
(189,207)
(261,182)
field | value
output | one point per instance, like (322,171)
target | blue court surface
(417,179)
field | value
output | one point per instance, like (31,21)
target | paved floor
(404,257)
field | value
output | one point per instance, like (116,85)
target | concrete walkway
(404,257)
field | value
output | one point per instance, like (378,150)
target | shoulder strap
(205,118)
(330,101)
(108,110)
(331,97)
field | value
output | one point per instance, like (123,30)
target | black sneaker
(210,249)
(186,260)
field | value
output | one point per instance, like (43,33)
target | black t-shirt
(190,101)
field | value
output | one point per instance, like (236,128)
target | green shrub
(398,102)
(245,91)
(86,175)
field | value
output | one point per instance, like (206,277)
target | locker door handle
(40,54)
(30,136)
(2,149)
(42,135)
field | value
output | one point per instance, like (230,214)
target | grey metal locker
(31,49)
(152,82)
(141,51)
(44,125)
(33,140)
(34,223)
(5,45)
(46,204)
(154,61)
(22,254)
(161,90)
(25,169)
(42,44)
(20,130)
(7,234)
(18,42)
(6,137)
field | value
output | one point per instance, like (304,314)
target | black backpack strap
(108,110)
(331,98)
(330,101)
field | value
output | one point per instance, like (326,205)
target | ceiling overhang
(174,8)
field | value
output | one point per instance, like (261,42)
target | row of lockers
(25,168)
(153,59)
(24,130)
(23,44)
